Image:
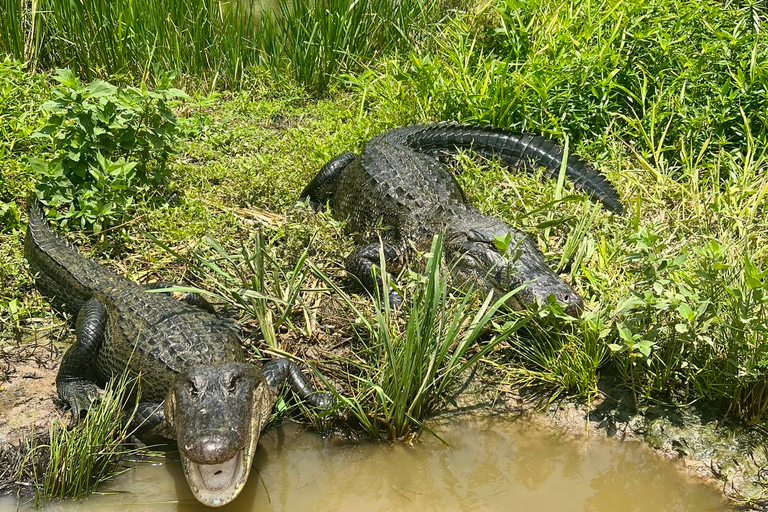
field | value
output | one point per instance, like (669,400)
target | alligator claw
(80,396)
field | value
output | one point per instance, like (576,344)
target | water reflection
(491,465)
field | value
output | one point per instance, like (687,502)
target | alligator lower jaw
(215,485)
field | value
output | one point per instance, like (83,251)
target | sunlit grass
(216,42)
(72,463)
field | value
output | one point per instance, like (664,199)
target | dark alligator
(195,384)
(398,190)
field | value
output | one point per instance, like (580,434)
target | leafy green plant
(694,324)
(110,147)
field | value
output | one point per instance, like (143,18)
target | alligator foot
(80,395)
(146,418)
(277,371)
(362,264)
(74,382)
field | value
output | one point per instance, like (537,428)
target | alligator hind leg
(191,298)
(75,382)
(362,262)
(277,371)
(323,185)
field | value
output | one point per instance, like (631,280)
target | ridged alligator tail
(512,148)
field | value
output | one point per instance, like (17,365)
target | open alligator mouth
(217,430)
(215,485)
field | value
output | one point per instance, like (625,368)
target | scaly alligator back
(62,274)
(512,148)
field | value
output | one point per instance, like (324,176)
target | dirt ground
(27,391)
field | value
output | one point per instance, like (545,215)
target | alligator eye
(233,383)
(193,389)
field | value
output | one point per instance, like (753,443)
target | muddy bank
(730,458)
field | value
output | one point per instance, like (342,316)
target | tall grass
(409,366)
(209,39)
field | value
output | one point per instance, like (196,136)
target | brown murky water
(491,465)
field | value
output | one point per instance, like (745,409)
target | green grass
(72,463)
(219,43)
(411,361)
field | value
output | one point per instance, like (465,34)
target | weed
(110,147)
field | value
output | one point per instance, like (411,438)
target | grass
(72,463)
(217,42)
(410,364)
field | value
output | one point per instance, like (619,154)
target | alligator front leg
(191,298)
(148,418)
(276,371)
(75,381)
(323,185)
(362,262)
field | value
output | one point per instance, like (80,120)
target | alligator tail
(63,275)
(514,149)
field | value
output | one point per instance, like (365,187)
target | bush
(110,146)
(695,324)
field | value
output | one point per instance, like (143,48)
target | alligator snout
(214,448)
(571,302)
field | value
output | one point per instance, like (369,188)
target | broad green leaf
(67,78)
(99,88)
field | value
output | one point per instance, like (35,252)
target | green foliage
(218,42)
(110,147)
(662,76)
(321,40)
(408,369)
(74,462)
(20,96)
(694,325)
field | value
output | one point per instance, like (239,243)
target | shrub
(110,146)
(694,324)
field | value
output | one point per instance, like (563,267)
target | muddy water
(490,465)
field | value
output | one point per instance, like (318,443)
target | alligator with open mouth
(196,386)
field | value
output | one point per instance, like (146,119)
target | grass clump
(71,463)
(409,366)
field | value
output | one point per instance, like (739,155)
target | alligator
(397,195)
(195,384)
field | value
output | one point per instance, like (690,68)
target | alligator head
(480,262)
(217,413)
